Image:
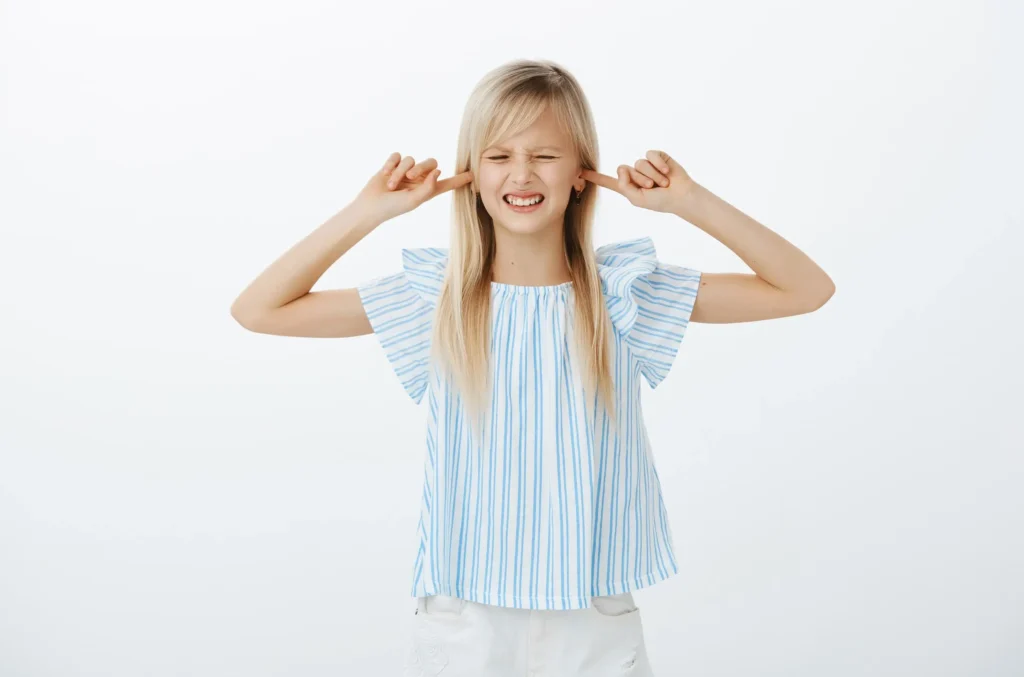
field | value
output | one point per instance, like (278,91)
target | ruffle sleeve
(649,302)
(425,269)
(400,308)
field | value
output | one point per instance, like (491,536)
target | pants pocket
(614,605)
(438,618)
(440,605)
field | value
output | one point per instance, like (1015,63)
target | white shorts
(453,637)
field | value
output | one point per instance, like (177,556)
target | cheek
(487,179)
(559,176)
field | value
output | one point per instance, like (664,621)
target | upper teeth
(522,202)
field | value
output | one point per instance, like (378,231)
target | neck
(531,259)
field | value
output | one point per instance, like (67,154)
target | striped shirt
(551,507)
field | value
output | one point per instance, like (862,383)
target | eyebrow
(554,148)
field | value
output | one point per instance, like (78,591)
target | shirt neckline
(527,288)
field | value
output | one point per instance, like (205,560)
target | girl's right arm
(279,300)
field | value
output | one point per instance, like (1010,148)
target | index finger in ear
(600,179)
(455,181)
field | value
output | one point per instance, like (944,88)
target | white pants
(453,637)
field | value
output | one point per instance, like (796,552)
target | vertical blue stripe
(550,578)
(505,460)
(563,530)
(627,461)
(466,494)
(613,498)
(538,458)
(599,505)
(492,527)
(576,479)
(517,578)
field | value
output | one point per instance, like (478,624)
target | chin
(526,224)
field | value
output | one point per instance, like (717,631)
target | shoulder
(620,264)
(635,282)
(424,269)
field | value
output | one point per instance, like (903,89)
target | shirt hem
(545,603)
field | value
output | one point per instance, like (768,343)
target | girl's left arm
(786,281)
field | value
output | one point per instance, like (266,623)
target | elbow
(822,297)
(810,300)
(241,315)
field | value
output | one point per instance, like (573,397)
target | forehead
(544,134)
(529,149)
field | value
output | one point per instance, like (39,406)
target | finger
(626,185)
(422,168)
(399,171)
(430,182)
(390,164)
(650,171)
(454,182)
(661,161)
(639,179)
(392,161)
(599,179)
(402,168)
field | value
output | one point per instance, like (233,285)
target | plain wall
(179,496)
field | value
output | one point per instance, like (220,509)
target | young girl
(541,508)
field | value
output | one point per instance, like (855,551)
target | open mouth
(520,204)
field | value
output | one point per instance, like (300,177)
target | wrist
(687,198)
(362,217)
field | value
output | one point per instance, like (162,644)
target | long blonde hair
(506,101)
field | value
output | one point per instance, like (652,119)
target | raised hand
(657,182)
(401,185)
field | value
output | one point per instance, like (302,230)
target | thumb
(670,161)
(430,184)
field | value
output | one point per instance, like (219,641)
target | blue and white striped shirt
(551,507)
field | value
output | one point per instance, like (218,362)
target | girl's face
(537,162)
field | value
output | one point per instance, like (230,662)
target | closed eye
(502,157)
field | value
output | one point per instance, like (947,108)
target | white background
(179,496)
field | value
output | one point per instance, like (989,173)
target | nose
(522,170)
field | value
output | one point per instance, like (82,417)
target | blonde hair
(506,101)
